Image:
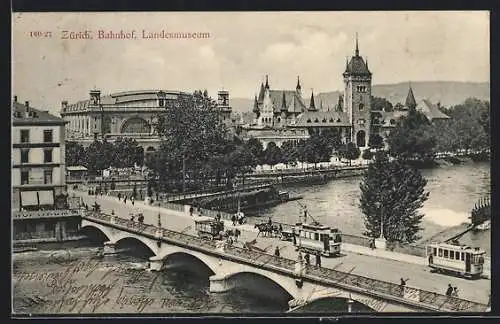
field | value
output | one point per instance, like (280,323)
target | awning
(29,198)
(46,197)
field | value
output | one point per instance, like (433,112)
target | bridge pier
(155,263)
(219,284)
(109,248)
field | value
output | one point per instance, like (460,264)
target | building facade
(38,158)
(126,114)
(353,118)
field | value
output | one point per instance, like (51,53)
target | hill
(448,93)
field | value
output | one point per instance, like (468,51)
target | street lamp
(380,242)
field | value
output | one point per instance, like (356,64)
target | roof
(294,103)
(322,119)
(357,66)
(39,117)
(390,118)
(126,96)
(410,99)
(430,110)
(76,168)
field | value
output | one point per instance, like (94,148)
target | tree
(367,155)
(75,154)
(349,151)
(399,106)
(289,152)
(256,148)
(99,155)
(272,154)
(127,153)
(381,104)
(392,193)
(376,141)
(191,132)
(412,137)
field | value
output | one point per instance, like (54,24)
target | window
(440,252)
(462,257)
(361,106)
(331,120)
(316,236)
(434,251)
(25,174)
(361,122)
(47,156)
(25,135)
(457,255)
(324,120)
(445,254)
(452,255)
(47,135)
(47,176)
(25,155)
(308,120)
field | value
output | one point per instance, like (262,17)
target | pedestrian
(307,258)
(119,196)
(455,292)
(157,196)
(281,228)
(294,238)
(125,199)
(403,282)
(430,259)
(132,200)
(233,219)
(132,218)
(318,259)
(191,209)
(270,222)
(277,252)
(449,291)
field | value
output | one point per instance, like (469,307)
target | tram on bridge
(461,260)
(207,227)
(315,237)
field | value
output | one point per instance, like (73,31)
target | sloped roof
(357,66)
(430,110)
(322,119)
(294,102)
(410,101)
(40,117)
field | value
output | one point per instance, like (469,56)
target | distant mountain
(448,93)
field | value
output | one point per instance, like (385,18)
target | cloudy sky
(242,49)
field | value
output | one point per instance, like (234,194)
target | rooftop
(24,114)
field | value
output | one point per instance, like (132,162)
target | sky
(242,48)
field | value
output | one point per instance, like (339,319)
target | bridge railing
(261,259)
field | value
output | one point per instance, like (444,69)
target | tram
(207,227)
(315,237)
(462,260)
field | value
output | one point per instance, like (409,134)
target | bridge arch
(172,251)
(189,262)
(336,303)
(151,245)
(102,229)
(265,285)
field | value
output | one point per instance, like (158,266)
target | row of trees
(468,129)
(100,155)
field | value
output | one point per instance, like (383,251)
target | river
(120,284)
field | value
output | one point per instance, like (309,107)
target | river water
(71,280)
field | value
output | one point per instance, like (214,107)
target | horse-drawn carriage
(207,227)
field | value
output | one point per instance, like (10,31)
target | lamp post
(380,243)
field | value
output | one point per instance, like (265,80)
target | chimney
(15,98)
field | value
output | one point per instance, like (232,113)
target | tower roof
(267,82)
(312,106)
(261,92)
(255,105)
(410,99)
(298,84)
(357,66)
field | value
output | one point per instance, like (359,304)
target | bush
(367,155)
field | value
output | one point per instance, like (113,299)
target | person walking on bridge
(307,258)
(449,291)
(277,252)
(233,219)
(318,259)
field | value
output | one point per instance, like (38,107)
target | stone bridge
(301,284)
